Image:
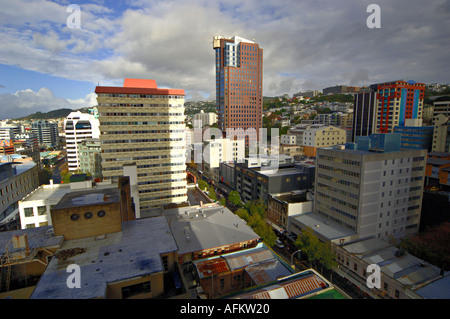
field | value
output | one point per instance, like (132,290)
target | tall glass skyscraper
(239,69)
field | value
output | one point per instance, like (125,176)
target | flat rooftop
(48,192)
(200,228)
(437,161)
(39,237)
(89,197)
(133,252)
(320,225)
(281,172)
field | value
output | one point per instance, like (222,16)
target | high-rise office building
(79,127)
(372,187)
(239,70)
(143,124)
(364,109)
(396,102)
(47,132)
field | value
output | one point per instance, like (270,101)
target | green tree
(202,185)
(308,244)
(243,213)
(266,232)
(326,256)
(212,193)
(44,176)
(235,198)
(223,201)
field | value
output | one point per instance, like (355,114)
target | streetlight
(292,258)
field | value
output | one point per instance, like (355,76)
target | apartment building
(221,150)
(8,132)
(396,102)
(288,139)
(255,180)
(78,127)
(90,157)
(205,118)
(415,135)
(47,132)
(239,82)
(143,124)
(321,135)
(373,187)
(441,123)
(17,179)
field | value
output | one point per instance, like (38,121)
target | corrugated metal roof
(211,267)
(297,288)
(289,290)
(267,272)
(242,260)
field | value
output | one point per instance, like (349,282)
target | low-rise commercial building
(18,178)
(255,179)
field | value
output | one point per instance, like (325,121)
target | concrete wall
(63,225)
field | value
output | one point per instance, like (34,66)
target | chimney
(125,199)
(21,242)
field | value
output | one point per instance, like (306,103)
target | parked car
(279,244)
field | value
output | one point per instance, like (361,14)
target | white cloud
(321,42)
(26,102)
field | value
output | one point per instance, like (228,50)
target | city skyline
(46,65)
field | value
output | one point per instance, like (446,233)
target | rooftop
(39,237)
(320,225)
(133,252)
(298,286)
(439,154)
(401,266)
(199,228)
(260,263)
(437,161)
(89,197)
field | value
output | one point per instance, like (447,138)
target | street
(349,287)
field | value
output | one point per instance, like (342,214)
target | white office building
(206,118)
(79,127)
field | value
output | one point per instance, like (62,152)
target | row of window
(143,132)
(144,140)
(141,96)
(142,149)
(143,123)
(141,114)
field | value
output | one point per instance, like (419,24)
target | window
(101,213)
(74,217)
(28,212)
(42,210)
(165,262)
(88,215)
(137,289)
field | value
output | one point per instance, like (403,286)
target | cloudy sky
(46,65)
